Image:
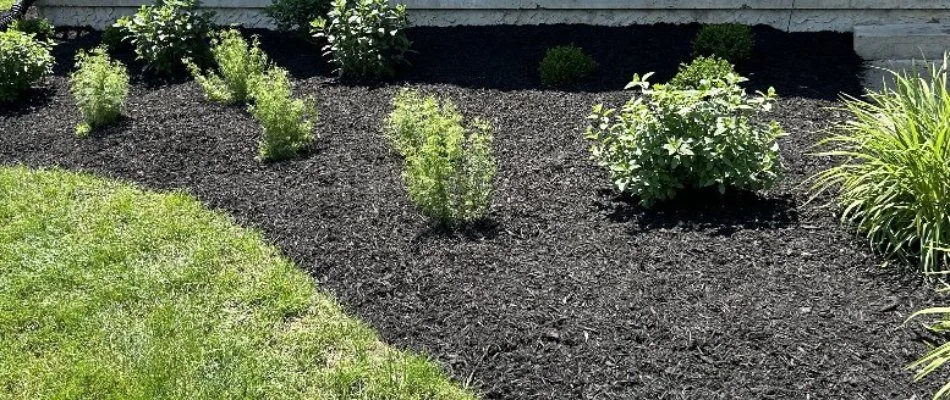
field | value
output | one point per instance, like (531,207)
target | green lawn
(111,292)
(6,4)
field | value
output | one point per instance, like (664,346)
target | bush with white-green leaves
(669,139)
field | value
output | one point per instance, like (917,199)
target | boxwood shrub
(564,65)
(669,139)
(733,42)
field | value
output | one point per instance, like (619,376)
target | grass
(894,182)
(6,4)
(111,292)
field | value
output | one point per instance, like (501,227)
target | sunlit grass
(894,181)
(111,292)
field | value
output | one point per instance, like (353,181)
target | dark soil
(571,291)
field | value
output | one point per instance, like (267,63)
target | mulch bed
(570,292)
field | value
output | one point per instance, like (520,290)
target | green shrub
(287,122)
(114,39)
(670,139)
(894,182)
(702,73)
(448,169)
(167,32)
(23,61)
(564,65)
(41,28)
(237,63)
(732,42)
(296,15)
(365,38)
(100,86)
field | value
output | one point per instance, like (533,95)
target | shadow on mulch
(32,99)
(704,210)
(814,65)
(804,64)
(485,229)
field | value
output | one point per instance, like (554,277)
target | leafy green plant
(296,15)
(114,40)
(165,33)
(703,72)
(670,139)
(938,355)
(894,181)
(100,86)
(564,65)
(448,169)
(287,122)
(238,63)
(732,42)
(41,28)
(365,38)
(23,61)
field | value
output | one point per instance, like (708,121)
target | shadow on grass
(703,210)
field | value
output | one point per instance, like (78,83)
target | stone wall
(792,15)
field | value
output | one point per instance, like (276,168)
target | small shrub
(564,65)
(23,61)
(114,40)
(167,32)
(894,182)
(732,42)
(100,86)
(365,38)
(41,28)
(702,73)
(412,115)
(670,139)
(237,63)
(296,15)
(287,122)
(448,169)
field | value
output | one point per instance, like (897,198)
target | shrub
(670,139)
(448,169)
(702,73)
(100,86)
(237,63)
(296,15)
(894,182)
(114,40)
(287,122)
(41,28)
(167,32)
(564,65)
(732,42)
(365,38)
(23,61)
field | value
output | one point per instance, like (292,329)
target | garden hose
(16,12)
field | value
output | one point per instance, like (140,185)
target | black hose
(16,12)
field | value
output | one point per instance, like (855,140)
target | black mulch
(571,291)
